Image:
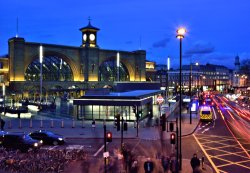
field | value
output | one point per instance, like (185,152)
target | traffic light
(140,114)
(109,136)
(134,109)
(163,122)
(171,127)
(172,138)
(118,122)
(125,126)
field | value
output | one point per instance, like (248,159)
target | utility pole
(190,92)
(122,134)
(105,146)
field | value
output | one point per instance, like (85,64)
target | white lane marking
(100,149)
(205,130)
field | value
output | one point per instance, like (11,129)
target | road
(225,141)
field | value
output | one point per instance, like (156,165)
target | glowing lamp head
(41,54)
(181,32)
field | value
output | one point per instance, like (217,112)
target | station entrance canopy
(129,98)
(106,105)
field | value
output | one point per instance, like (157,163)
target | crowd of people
(38,161)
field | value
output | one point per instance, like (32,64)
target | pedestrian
(134,167)
(93,124)
(148,166)
(2,124)
(195,162)
(172,165)
(165,163)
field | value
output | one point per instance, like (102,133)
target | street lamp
(180,35)
(41,72)
(118,65)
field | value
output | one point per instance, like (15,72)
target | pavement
(71,129)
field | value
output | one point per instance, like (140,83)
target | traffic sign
(160,99)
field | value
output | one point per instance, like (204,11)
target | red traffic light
(172,138)
(109,136)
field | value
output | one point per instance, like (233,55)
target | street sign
(160,99)
(165,109)
(106,154)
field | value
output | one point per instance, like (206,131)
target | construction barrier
(20,123)
(62,124)
(52,123)
(31,123)
(73,123)
(83,123)
(41,123)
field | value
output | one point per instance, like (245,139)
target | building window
(53,69)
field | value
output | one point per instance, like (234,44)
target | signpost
(159,101)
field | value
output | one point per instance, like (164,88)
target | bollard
(62,124)
(20,123)
(202,162)
(10,126)
(73,123)
(134,124)
(51,123)
(83,123)
(30,122)
(41,123)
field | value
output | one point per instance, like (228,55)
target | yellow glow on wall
(4,70)
(17,78)
(93,78)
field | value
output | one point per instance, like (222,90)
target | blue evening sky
(218,30)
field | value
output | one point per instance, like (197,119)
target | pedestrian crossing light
(109,136)
(172,138)
(171,127)
(125,126)
(117,122)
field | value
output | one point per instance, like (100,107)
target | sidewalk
(77,129)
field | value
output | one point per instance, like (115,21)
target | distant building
(204,77)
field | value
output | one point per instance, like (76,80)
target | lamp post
(190,92)
(190,88)
(168,67)
(41,73)
(180,35)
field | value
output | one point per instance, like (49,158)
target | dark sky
(218,30)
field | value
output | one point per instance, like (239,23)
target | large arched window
(53,69)
(108,71)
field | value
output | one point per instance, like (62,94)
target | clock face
(84,37)
(92,37)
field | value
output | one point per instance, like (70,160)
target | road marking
(205,130)
(136,145)
(100,149)
(212,163)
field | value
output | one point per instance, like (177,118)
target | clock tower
(89,35)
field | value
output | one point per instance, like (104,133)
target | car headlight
(41,141)
(35,144)
(60,139)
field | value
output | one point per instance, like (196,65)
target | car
(20,141)
(48,137)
